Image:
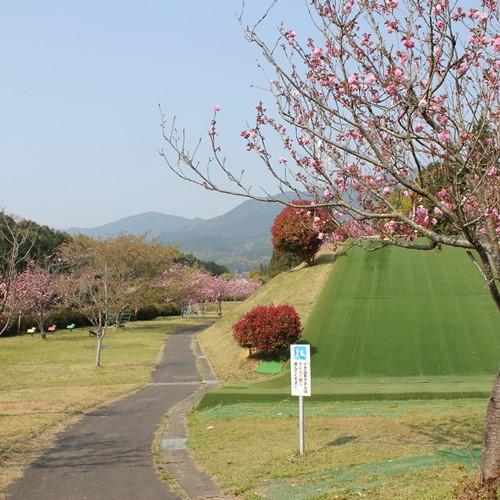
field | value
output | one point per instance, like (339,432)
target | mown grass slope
(397,321)
(403,313)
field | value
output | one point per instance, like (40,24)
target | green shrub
(60,318)
(282,261)
(169,310)
(147,313)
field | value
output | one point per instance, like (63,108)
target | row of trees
(104,278)
(188,285)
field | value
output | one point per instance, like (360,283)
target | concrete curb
(191,480)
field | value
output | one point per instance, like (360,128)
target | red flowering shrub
(300,231)
(268,328)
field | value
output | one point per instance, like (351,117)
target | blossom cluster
(184,285)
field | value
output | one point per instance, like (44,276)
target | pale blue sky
(79,88)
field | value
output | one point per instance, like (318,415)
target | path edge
(172,458)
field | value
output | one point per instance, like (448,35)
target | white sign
(300,361)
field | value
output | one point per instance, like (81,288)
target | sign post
(300,363)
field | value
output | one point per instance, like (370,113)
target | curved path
(107,454)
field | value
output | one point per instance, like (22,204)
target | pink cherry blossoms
(386,105)
(185,285)
(35,291)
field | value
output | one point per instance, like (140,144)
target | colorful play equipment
(71,326)
(32,330)
(52,328)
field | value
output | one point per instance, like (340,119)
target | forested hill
(239,239)
(40,241)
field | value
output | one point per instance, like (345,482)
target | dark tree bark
(490,461)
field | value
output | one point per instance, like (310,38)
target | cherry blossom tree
(15,247)
(181,284)
(240,289)
(219,288)
(36,291)
(107,275)
(187,285)
(382,90)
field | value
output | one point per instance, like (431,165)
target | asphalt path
(107,454)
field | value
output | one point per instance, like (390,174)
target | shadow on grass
(321,260)
(329,258)
(454,431)
(280,355)
(341,441)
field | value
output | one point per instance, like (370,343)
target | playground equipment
(191,310)
(121,320)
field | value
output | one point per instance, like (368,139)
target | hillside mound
(299,287)
(404,313)
(396,323)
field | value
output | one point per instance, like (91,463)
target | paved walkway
(107,455)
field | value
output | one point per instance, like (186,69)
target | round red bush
(268,328)
(300,230)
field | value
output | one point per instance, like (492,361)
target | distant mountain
(152,222)
(239,239)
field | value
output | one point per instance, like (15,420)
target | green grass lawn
(377,449)
(405,348)
(46,385)
(404,313)
(395,323)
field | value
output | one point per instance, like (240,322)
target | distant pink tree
(219,288)
(36,291)
(184,285)
(240,289)
(181,284)
(15,246)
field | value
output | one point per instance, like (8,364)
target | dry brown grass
(299,287)
(356,436)
(49,385)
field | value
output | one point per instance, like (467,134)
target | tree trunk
(490,461)
(219,308)
(99,348)
(42,331)
(489,274)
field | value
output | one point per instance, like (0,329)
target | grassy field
(393,324)
(46,385)
(405,346)
(300,287)
(377,449)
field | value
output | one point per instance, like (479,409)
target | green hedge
(63,318)
(60,318)
(152,311)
